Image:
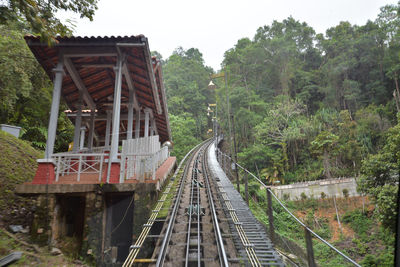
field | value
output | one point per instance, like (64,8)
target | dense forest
(306,106)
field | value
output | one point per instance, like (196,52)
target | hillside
(17,165)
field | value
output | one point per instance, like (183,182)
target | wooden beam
(131,86)
(79,83)
(124,116)
(152,77)
(89,51)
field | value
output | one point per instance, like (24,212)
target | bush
(359,222)
(345,193)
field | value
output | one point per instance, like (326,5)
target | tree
(324,145)
(40,15)
(182,128)
(186,79)
(380,176)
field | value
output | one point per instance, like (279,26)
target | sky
(214,26)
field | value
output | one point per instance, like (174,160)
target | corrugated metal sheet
(99,81)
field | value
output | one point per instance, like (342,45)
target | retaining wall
(313,189)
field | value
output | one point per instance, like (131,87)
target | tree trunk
(397,86)
(396,100)
(327,165)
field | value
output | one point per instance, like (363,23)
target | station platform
(89,182)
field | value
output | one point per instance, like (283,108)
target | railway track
(193,236)
(203,227)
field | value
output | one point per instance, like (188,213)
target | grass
(17,165)
(29,256)
(170,197)
(362,238)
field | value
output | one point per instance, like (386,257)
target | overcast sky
(214,26)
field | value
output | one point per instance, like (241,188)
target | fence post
(270,216)
(101,167)
(58,168)
(79,167)
(310,252)
(246,187)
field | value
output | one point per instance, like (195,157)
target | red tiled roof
(98,76)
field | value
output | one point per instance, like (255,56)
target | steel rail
(167,237)
(146,228)
(190,210)
(220,243)
(294,217)
(198,211)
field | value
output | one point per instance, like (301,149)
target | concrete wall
(331,187)
(11,129)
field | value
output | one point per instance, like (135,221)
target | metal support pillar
(270,217)
(234,146)
(108,129)
(82,139)
(130,116)
(137,124)
(91,130)
(78,122)
(55,104)
(116,112)
(246,187)
(310,251)
(146,122)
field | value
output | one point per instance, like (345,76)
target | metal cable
(292,215)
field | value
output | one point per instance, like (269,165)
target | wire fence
(297,239)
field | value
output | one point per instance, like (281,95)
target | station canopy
(89,70)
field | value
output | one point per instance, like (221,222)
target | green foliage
(380,174)
(345,192)
(17,165)
(359,222)
(182,133)
(40,16)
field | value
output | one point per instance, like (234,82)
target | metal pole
(235,151)
(78,121)
(91,130)
(130,116)
(108,129)
(82,142)
(270,216)
(55,104)
(146,122)
(137,124)
(116,111)
(246,187)
(228,110)
(397,245)
(310,252)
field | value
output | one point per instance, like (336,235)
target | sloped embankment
(17,165)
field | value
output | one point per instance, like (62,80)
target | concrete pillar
(146,122)
(137,125)
(91,130)
(116,111)
(78,122)
(108,129)
(55,104)
(82,141)
(130,116)
(154,126)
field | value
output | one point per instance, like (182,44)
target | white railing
(78,163)
(142,165)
